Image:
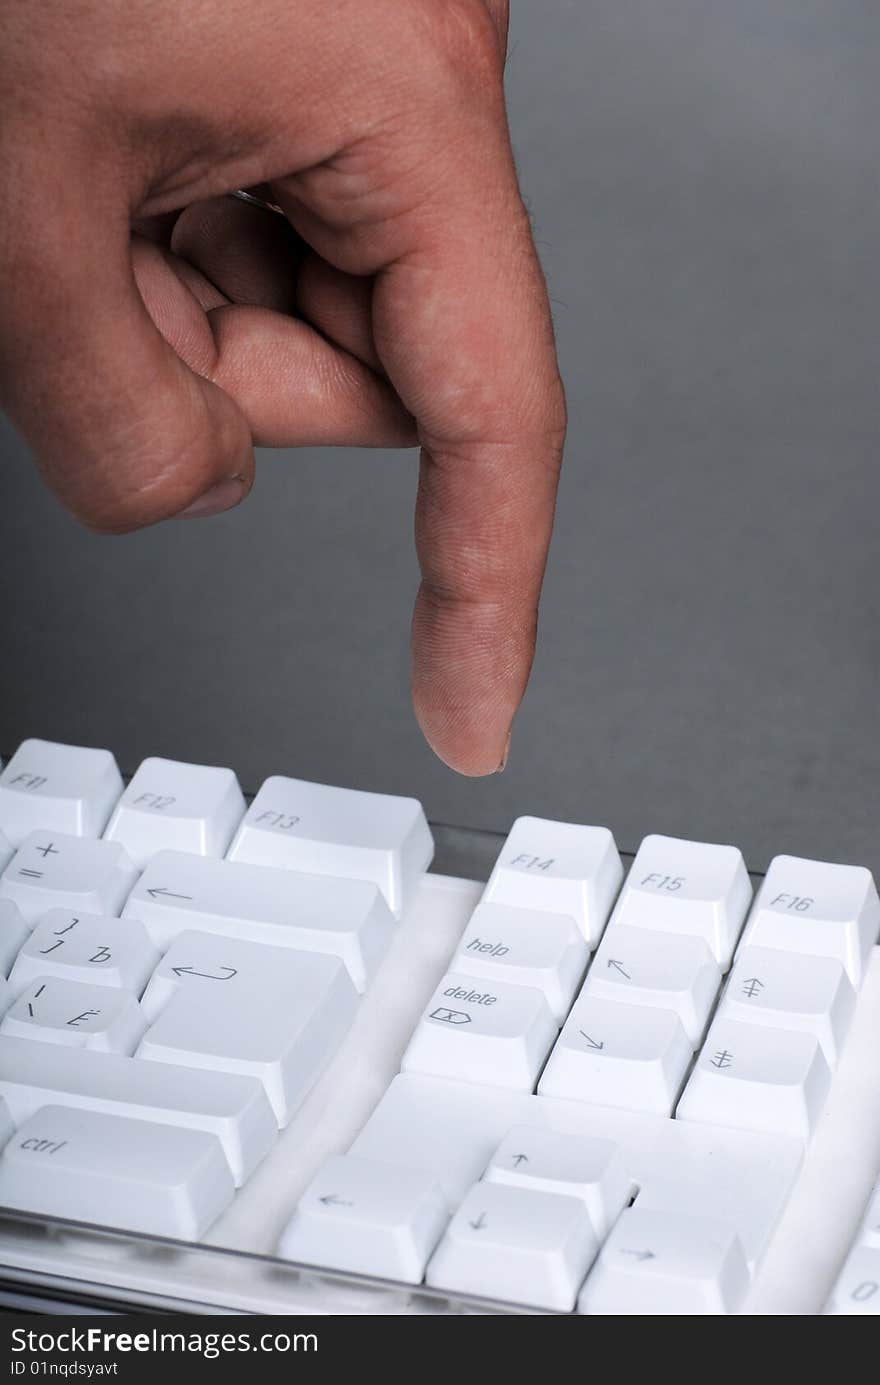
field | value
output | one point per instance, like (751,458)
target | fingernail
(502,766)
(223,495)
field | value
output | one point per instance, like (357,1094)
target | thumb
(124,433)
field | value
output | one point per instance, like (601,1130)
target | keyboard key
(78,1015)
(756,1078)
(524,948)
(86,947)
(346,832)
(367,1218)
(695,888)
(670,971)
(110,1171)
(857,1290)
(786,990)
(265,1012)
(57,788)
(452,1130)
(610,1054)
(311,913)
(193,808)
(51,870)
(233,1108)
(822,910)
(14,933)
(480,1031)
(574,1165)
(516,1245)
(558,868)
(659,1263)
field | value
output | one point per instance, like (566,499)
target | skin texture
(152,330)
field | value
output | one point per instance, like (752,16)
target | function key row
(201,810)
(64,788)
(673,886)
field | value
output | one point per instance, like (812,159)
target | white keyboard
(259,1059)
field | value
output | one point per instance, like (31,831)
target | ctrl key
(114,1171)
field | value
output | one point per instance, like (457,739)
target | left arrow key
(367,1218)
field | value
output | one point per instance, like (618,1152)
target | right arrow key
(659,1263)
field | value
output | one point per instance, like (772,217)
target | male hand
(152,330)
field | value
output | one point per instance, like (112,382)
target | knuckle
(457,54)
(465,38)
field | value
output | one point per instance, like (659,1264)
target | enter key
(242,1007)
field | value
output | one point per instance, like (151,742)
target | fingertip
(468,736)
(473,757)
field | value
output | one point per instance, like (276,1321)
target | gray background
(703,176)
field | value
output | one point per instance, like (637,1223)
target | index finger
(491,421)
(461,323)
